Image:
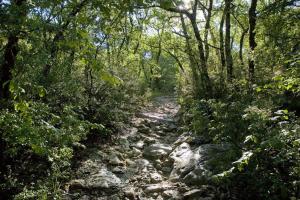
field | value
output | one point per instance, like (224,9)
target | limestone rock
(205,192)
(114,160)
(103,180)
(184,161)
(142,163)
(171,194)
(144,129)
(138,145)
(118,170)
(201,172)
(160,187)
(76,184)
(135,152)
(130,194)
(124,143)
(193,194)
(157,151)
(185,137)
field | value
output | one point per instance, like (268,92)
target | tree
(18,12)
(228,55)
(192,16)
(252,43)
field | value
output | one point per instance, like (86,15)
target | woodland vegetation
(71,70)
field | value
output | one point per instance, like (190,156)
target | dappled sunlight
(149,100)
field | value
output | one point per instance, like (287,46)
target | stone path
(152,161)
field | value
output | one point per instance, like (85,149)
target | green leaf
(296,143)
(289,86)
(250,138)
(258,89)
(21,106)
(111,79)
(42,91)
(244,160)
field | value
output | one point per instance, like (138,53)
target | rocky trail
(153,160)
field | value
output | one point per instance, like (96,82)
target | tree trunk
(6,67)
(205,79)
(193,63)
(242,45)
(252,43)
(207,28)
(228,55)
(8,64)
(11,51)
(222,51)
(177,61)
(204,72)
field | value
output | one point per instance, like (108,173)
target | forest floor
(153,159)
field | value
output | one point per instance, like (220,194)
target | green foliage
(266,139)
(81,66)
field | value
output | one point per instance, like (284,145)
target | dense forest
(203,94)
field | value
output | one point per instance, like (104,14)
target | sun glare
(186,4)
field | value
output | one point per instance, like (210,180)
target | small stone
(171,194)
(79,146)
(104,179)
(171,128)
(166,169)
(158,161)
(167,163)
(76,184)
(118,170)
(192,193)
(114,160)
(159,197)
(85,197)
(168,193)
(129,162)
(144,129)
(153,188)
(135,152)
(142,163)
(139,144)
(158,187)
(155,194)
(149,140)
(158,166)
(155,178)
(123,142)
(130,194)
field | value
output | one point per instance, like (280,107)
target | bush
(267,140)
(40,137)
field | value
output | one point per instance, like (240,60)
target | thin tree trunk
(207,28)
(222,51)
(204,72)
(228,55)
(193,63)
(252,43)
(205,79)
(177,61)
(242,46)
